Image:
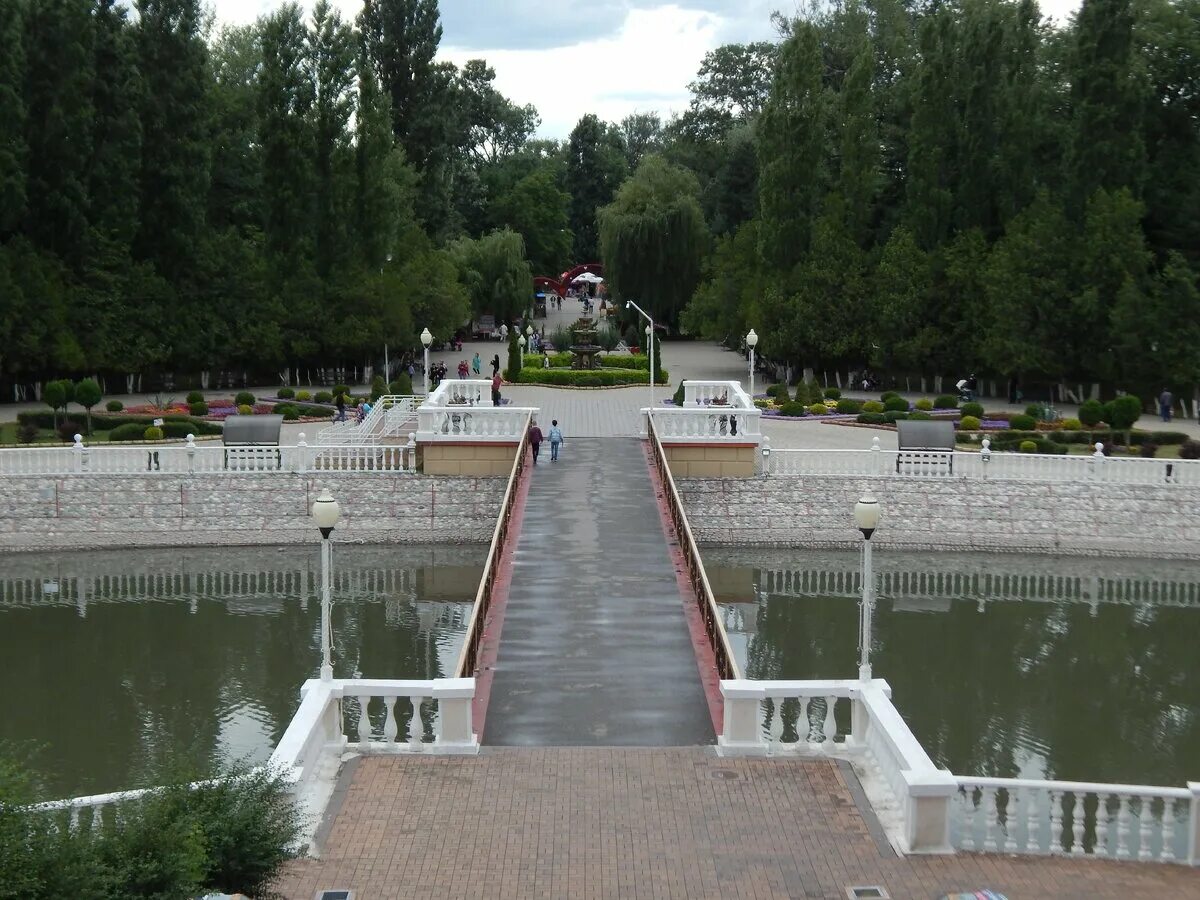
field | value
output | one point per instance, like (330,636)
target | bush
(920,414)
(818,409)
(1148,450)
(245,409)
(402,385)
(54,394)
(198,409)
(67,431)
(341,389)
(195,397)
(577,378)
(323,397)
(972,409)
(969,423)
(289,411)
(894,415)
(1029,446)
(872,406)
(1035,410)
(677,397)
(871,418)
(1168,437)
(1189,449)
(304,396)
(924,404)
(244,398)
(1123,412)
(27,434)
(895,404)
(1022,422)
(779,392)
(285,393)
(114,406)
(887,395)
(849,406)
(793,408)
(1091,412)
(832,394)
(153,433)
(1070,424)
(945,401)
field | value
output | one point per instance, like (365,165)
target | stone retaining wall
(948,514)
(91,511)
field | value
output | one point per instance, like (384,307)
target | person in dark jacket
(535,439)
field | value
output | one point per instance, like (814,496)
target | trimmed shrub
(245,409)
(895,404)
(304,396)
(920,414)
(677,397)
(153,433)
(289,412)
(1022,422)
(945,401)
(832,394)
(887,395)
(1028,446)
(1163,438)
(1070,424)
(1147,450)
(894,415)
(195,397)
(969,423)
(67,431)
(871,418)
(114,406)
(198,409)
(972,409)
(1035,410)
(402,385)
(779,392)
(27,434)
(1091,412)
(1123,412)
(244,398)
(323,397)
(575,378)
(872,406)
(818,409)
(1189,449)
(924,404)
(849,406)
(793,408)
(341,389)
(378,388)
(285,393)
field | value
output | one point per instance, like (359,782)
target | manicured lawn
(8,435)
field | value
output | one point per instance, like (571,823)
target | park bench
(252,443)
(926,448)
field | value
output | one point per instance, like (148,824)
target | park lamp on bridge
(866,519)
(426,340)
(326,512)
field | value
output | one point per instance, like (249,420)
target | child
(556,439)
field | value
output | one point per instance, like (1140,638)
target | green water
(1034,685)
(125,664)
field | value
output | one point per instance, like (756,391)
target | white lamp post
(325,513)
(426,340)
(529,334)
(521,354)
(866,519)
(751,342)
(629,304)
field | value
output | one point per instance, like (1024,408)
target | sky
(608,57)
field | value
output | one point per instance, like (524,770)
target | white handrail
(387,417)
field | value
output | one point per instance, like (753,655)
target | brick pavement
(656,823)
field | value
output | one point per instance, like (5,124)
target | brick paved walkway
(656,823)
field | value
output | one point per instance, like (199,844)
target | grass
(8,435)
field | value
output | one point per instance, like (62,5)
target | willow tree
(653,239)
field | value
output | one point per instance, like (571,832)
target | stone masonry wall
(948,514)
(94,511)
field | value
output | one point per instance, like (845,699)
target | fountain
(585,347)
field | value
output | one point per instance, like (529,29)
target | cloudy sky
(570,57)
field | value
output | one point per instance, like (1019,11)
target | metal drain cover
(870,892)
(725,774)
(335,895)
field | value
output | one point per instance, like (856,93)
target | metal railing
(727,667)
(468,659)
(389,414)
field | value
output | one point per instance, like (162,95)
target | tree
(331,54)
(54,395)
(641,133)
(733,83)
(236,193)
(653,239)
(902,326)
(726,302)
(493,125)
(536,208)
(595,167)
(87,395)
(13,148)
(496,274)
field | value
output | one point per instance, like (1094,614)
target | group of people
(555,437)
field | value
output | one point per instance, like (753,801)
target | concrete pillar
(740,734)
(455,728)
(927,816)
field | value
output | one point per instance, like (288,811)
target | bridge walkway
(595,648)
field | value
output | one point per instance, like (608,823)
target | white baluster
(1146,816)
(364,721)
(990,801)
(1077,825)
(775,731)
(802,727)
(1167,854)
(1100,845)
(1055,822)
(1033,813)
(1123,828)
(415,728)
(970,811)
(1011,810)
(390,728)
(830,729)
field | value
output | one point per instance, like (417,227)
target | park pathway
(595,649)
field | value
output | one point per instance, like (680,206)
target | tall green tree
(235,194)
(332,58)
(536,208)
(496,274)
(595,168)
(13,147)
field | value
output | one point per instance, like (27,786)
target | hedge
(793,408)
(105,422)
(871,418)
(895,404)
(563,361)
(585,378)
(849,406)
(945,401)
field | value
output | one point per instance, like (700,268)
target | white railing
(985,465)
(721,393)
(461,391)
(707,424)
(387,418)
(1112,821)
(191,458)
(478,423)
(909,793)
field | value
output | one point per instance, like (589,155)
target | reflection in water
(1070,683)
(136,661)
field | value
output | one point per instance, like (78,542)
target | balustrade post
(1193,846)
(1098,461)
(455,729)
(766,456)
(301,453)
(77,454)
(191,453)
(985,456)
(877,456)
(927,825)
(740,734)
(411,459)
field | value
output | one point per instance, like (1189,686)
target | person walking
(496,388)
(462,370)
(556,439)
(535,439)
(1165,400)
(495,365)
(341,407)
(475,363)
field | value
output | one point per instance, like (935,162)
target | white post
(865,610)
(301,453)
(411,459)
(77,450)
(326,590)
(751,374)
(426,371)
(651,341)
(387,369)
(191,452)
(1193,847)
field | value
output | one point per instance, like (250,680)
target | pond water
(134,662)
(1002,665)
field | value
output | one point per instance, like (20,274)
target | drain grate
(871,892)
(335,895)
(725,774)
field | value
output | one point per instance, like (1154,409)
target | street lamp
(529,333)
(325,512)
(629,304)
(751,342)
(866,519)
(426,340)
(521,354)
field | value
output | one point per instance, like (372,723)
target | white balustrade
(387,418)
(481,424)
(716,393)
(707,424)
(1112,821)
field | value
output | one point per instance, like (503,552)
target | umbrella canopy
(588,277)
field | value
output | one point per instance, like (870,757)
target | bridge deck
(594,648)
(656,823)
